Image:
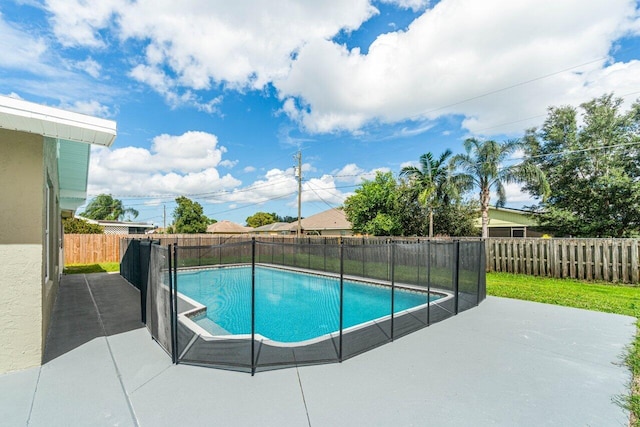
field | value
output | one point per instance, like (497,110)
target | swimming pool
(290,306)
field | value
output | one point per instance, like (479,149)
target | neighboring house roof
(508,217)
(73,132)
(119,227)
(275,227)
(227,227)
(332,219)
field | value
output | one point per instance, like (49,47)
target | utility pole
(164,218)
(298,157)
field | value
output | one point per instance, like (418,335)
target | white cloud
(153,202)
(408,4)
(279,184)
(75,21)
(229,163)
(183,164)
(168,87)
(241,45)
(412,163)
(458,50)
(21,50)
(276,184)
(322,189)
(516,197)
(13,95)
(249,169)
(90,67)
(443,64)
(91,108)
(348,173)
(34,67)
(353,174)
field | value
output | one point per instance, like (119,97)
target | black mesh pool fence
(209,305)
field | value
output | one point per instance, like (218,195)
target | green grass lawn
(591,296)
(103,267)
(571,293)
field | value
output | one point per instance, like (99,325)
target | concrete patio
(504,363)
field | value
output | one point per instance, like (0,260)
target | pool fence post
(253,305)
(174,320)
(171,313)
(480,272)
(429,281)
(456,266)
(419,247)
(341,247)
(363,252)
(324,253)
(393,283)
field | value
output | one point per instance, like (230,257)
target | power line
(201,195)
(536,117)
(252,204)
(321,198)
(581,150)
(492,92)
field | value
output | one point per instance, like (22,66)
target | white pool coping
(186,316)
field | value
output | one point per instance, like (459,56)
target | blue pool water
(290,306)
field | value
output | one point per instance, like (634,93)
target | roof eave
(24,116)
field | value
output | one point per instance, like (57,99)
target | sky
(213,99)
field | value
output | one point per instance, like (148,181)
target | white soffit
(23,116)
(73,168)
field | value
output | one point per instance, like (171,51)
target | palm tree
(432,180)
(105,207)
(482,166)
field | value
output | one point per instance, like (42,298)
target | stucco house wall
(21,281)
(44,162)
(51,232)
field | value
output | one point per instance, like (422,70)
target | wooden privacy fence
(96,248)
(610,260)
(91,248)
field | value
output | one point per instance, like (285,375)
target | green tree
(371,210)
(286,218)
(105,207)
(433,181)
(80,226)
(189,217)
(482,166)
(411,214)
(456,218)
(592,163)
(259,219)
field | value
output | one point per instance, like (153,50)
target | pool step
(210,326)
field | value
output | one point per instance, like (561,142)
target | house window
(49,233)
(518,232)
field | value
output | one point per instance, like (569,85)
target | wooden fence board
(571,258)
(634,262)
(624,261)
(597,260)
(580,261)
(589,259)
(605,262)
(521,257)
(614,262)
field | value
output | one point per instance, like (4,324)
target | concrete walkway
(504,363)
